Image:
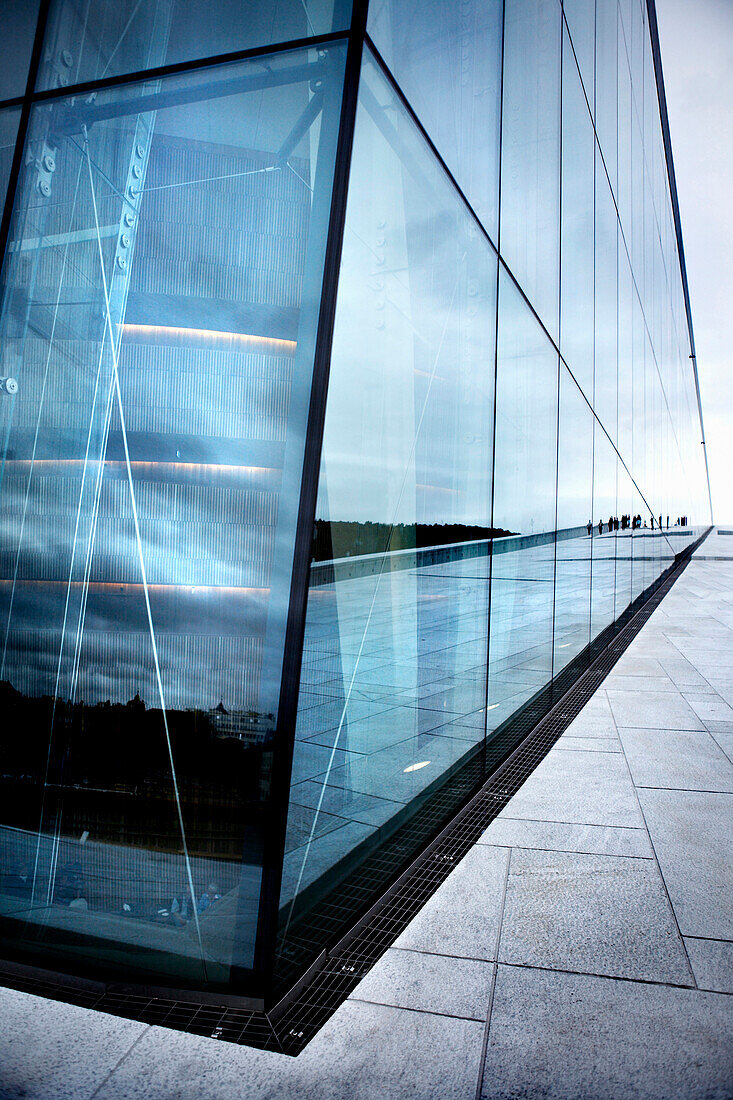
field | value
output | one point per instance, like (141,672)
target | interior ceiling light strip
(132,588)
(172,336)
(71,465)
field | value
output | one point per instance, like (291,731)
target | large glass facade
(347,407)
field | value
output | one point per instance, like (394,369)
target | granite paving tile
(594,720)
(656,709)
(364,1051)
(710,707)
(592,913)
(432,983)
(574,1037)
(561,836)
(590,744)
(712,963)
(691,832)
(684,759)
(462,916)
(615,682)
(684,674)
(640,666)
(57,1051)
(588,788)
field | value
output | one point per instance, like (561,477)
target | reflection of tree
(108,768)
(349,538)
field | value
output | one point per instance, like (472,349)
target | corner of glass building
(347,411)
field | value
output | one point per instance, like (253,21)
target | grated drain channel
(340,966)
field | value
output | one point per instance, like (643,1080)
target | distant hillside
(347,538)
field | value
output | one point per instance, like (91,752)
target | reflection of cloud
(410,401)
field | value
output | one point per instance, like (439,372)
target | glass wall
(500,453)
(159,322)
(393,685)
(401,679)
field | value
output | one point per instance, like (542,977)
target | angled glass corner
(161,299)
(393,683)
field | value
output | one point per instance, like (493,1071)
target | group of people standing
(627,522)
(614,524)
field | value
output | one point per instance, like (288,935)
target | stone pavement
(583,950)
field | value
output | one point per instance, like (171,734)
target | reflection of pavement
(394,673)
(582,949)
(114,876)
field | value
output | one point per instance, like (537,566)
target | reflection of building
(255,312)
(247,726)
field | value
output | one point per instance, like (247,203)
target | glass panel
(530,167)
(624,506)
(605,393)
(164,296)
(19,19)
(447,60)
(520,654)
(638,545)
(603,571)
(580,16)
(625,358)
(625,129)
(575,528)
(607,84)
(9,119)
(98,39)
(393,682)
(577,235)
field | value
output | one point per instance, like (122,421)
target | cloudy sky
(696,39)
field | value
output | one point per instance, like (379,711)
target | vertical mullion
(276,819)
(559,339)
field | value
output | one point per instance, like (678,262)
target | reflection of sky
(410,406)
(697,54)
(205,425)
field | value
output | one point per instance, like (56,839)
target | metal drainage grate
(303,1011)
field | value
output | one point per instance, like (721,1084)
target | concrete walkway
(583,950)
